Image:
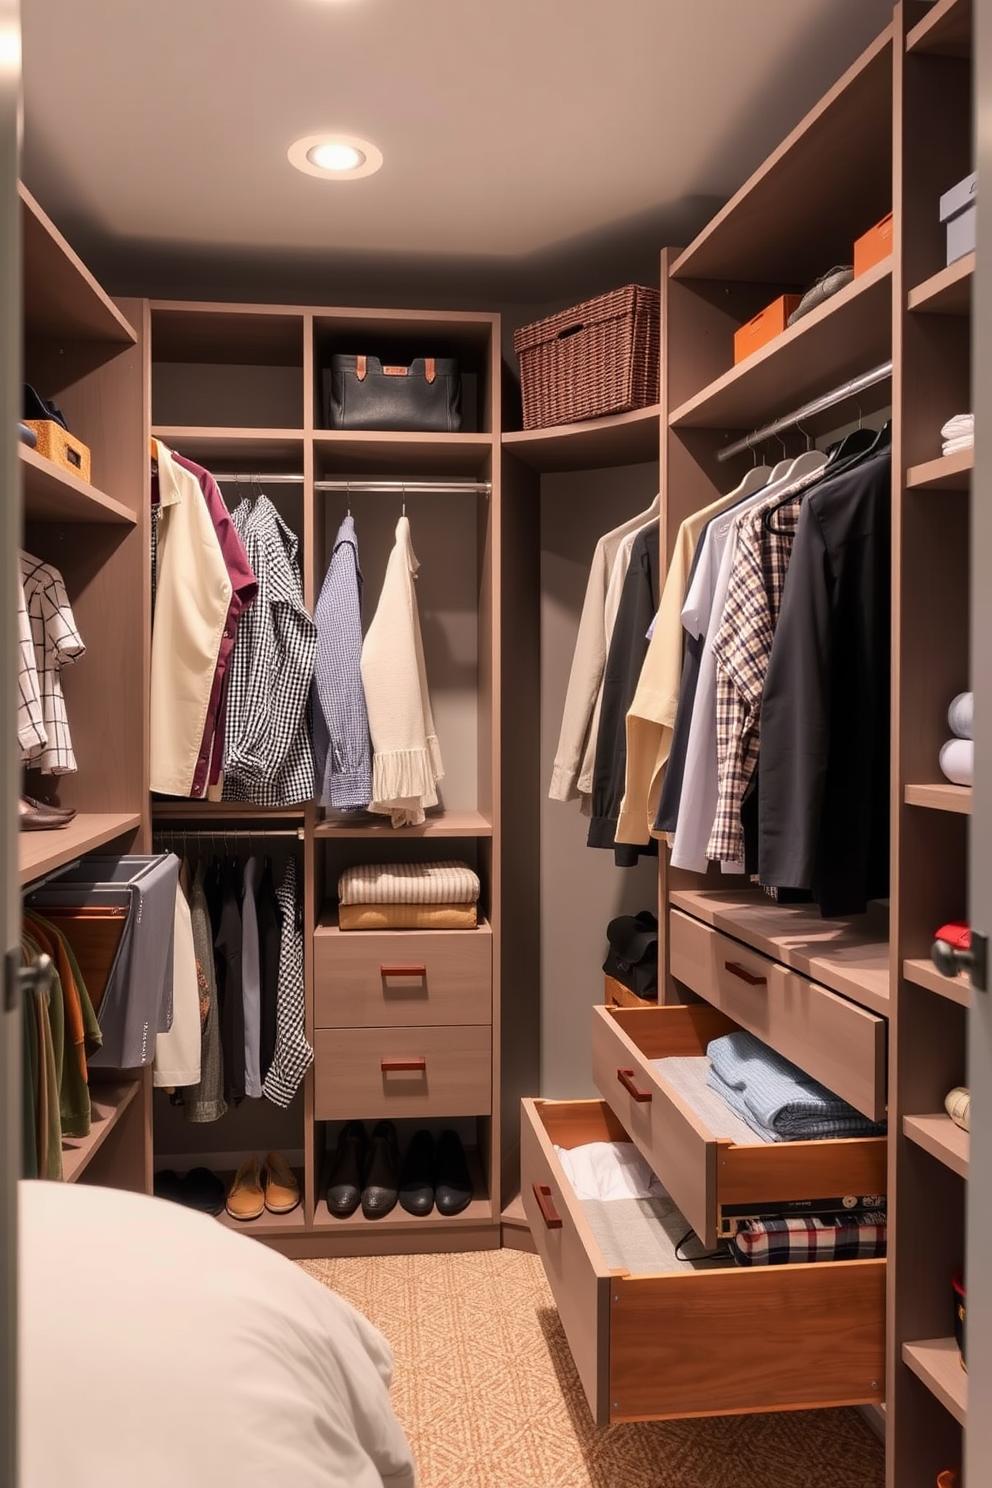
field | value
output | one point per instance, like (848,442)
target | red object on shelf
(874,246)
(956,933)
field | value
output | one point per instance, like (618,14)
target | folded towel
(956,445)
(408,883)
(775,1097)
(961,715)
(407,917)
(957,760)
(961,423)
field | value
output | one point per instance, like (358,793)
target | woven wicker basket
(600,357)
(61,448)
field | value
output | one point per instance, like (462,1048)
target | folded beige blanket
(407,917)
(408,883)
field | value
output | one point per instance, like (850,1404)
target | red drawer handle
(388,1066)
(737,970)
(397,971)
(626,1078)
(545,1203)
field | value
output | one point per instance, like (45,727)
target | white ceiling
(514,131)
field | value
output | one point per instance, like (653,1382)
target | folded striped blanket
(408,883)
(778,1099)
(832,1237)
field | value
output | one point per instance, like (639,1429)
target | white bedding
(159,1350)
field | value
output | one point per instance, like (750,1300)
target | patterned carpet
(487,1392)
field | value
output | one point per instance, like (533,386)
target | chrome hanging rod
(259,479)
(809,410)
(406,488)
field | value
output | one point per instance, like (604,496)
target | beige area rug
(487,1392)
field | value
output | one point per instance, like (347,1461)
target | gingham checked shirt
(31,734)
(57,643)
(342,744)
(267,758)
(293,1055)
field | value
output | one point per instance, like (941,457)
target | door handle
(390,1066)
(626,1078)
(407,971)
(545,1203)
(735,969)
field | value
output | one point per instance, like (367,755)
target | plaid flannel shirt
(830,1237)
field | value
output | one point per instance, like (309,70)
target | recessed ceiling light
(335,157)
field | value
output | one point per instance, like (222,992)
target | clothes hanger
(810,462)
(754,479)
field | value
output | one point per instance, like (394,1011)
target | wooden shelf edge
(947,473)
(940,797)
(930,294)
(40,853)
(941,1138)
(937,1362)
(949,25)
(372,438)
(109,1102)
(925,974)
(619,439)
(450,824)
(116,328)
(222,433)
(69,499)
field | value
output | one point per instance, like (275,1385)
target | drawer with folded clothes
(838,1042)
(733,1130)
(370,1074)
(659,1326)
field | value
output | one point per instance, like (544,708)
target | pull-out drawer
(382,978)
(367,1074)
(664,1344)
(837,1042)
(716,1180)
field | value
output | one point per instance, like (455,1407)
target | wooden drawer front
(356,1073)
(694,1343)
(837,1042)
(403,978)
(707,1175)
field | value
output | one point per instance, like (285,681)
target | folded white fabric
(448,882)
(958,433)
(608,1170)
(955,446)
(957,760)
(961,715)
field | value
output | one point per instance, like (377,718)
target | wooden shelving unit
(445,824)
(52,494)
(947,473)
(253,451)
(939,1136)
(945,32)
(398,455)
(624,439)
(940,797)
(41,853)
(937,1362)
(948,292)
(925,974)
(109,1104)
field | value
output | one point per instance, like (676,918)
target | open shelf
(623,439)
(925,974)
(946,293)
(52,494)
(445,824)
(345,452)
(107,1105)
(848,956)
(939,1136)
(251,451)
(846,335)
(940,797)
(949,473)
(62,301)
(937,1362)
(271,1225)
(223,811)
(945,32)
(478,1212)
(43,852)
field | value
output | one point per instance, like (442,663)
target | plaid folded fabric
(447,882)
(832,1237)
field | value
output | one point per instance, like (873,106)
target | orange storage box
(60,447)
(765,326)
(873,247)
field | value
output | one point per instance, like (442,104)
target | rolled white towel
(961,715)
(957,760)
(961,423)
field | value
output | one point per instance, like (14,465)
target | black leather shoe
(453,1192)
(417,1175)
(382,1179)
(344,1190)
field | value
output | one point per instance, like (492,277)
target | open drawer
(716,1180)
(693,1343)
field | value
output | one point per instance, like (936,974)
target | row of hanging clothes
(741,709)
(254,699)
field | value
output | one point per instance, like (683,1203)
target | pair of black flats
(368,1171)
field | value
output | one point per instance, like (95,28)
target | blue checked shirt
(342,746)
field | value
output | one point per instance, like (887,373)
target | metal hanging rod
(259,479)
(809,410)
(170,833)
(406,488)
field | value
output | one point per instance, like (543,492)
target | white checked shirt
(57,643)
(31,734)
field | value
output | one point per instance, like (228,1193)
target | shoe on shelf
(245,1199)
(344,1189)
(202,1190)
(453,1192)
(166,1185)
(31,818)
(382,1179)
(50,808)
(282,1192)
(417,1175)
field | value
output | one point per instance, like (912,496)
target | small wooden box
(60,447)
(765,326)
(874,246)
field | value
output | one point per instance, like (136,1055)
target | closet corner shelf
(348,452)
(925,974)
(945,32)
(939,1136)
(44,852)
(621,439)
(949,473)
(946,293)
(445,824)
(844,336)
(940,797)
(270,1226)
(62,300)
(108,1104)
(261,451)
(937,1362)
(52,494)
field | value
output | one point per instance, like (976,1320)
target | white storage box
(958,210)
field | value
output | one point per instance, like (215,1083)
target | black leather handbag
(632,959)
(426,396)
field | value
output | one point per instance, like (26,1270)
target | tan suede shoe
(282,1192)
(245,1199)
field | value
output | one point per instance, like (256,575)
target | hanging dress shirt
(251,981)
(293,1054)
(31,735)
(342,746)
(57,644)
(407,757)
(205,1100)
(177,1052)
(192,599)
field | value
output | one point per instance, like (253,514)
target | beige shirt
(192,598)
